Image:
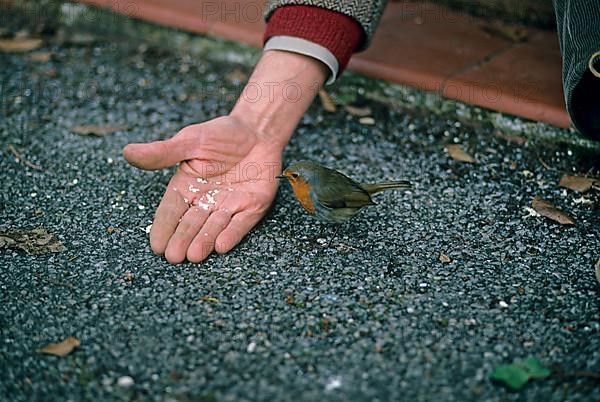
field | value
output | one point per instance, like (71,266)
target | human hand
(223,186)
(225,181)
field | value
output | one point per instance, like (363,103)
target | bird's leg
(321,230)
(337,228)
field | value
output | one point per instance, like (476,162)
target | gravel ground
(375,317)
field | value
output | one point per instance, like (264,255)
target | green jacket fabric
(578,23)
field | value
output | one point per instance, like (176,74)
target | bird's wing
(339,191)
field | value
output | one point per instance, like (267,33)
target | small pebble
(333,383)
(368,121)
(125,381)
(251,347)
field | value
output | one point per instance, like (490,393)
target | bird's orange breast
(302,193)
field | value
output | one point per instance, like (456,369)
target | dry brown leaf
(237,76)
(578,183)
(548,210)
(368,121)
(6,241)
(40,57)
(327,102)
(63,348)
(36,241)
(444,259)
(98,131)
(19,45)
(458,154)
(511,138)
(598,270)
(358,111)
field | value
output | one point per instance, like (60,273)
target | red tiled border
(418,44)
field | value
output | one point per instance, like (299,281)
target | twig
(586,374)
(17,155)
(590,375)
(544,164)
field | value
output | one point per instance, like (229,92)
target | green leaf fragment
(534,368)
(516,375)
(513,376)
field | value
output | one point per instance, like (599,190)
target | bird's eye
(295,175)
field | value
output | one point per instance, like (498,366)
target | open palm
(223,186)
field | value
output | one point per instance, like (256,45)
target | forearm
(278,93)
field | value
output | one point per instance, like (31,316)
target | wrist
(277,94)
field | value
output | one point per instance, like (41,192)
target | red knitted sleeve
(338,33)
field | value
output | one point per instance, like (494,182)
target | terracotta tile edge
(509,102)
(401,76)
(153,13)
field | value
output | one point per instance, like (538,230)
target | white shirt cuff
(307,48)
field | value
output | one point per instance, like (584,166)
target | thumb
(156,155)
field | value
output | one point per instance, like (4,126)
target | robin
(329,195)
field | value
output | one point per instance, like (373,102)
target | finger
(158,154)
(171,209)
(204,242)
(186,231)
(236,201)
(238,228)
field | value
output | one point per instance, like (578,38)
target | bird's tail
(387,185)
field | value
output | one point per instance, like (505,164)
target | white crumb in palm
(201,180)
(203,206)
(229,189)
(206,234)
(193,189)
(218,183)
(210,196)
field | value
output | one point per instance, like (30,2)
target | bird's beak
(280,177)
